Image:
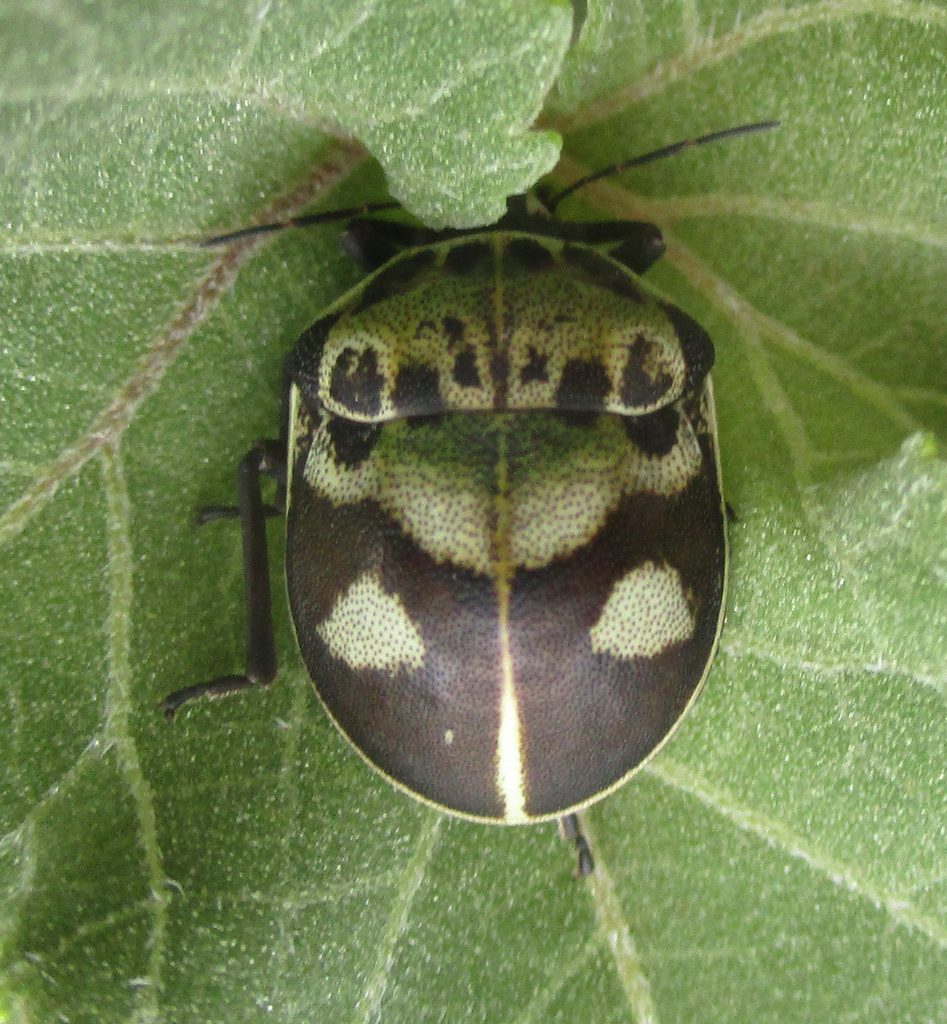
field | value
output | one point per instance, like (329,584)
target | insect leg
(264,458)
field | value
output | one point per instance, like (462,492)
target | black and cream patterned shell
(503,321)
(506,544)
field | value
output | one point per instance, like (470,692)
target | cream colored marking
(398,330)
(509,739)
(296,433)
(557,514)
(369,628)
(445,512)
(510,779)
(449,737)
(645,613)
(599,326)
(668,474)
(358,334)
(341,484)
(299,422)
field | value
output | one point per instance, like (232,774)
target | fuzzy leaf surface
(783,859)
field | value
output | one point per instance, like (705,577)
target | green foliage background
(784,858)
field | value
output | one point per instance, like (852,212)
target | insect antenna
(659,154)
(299,222)
(359,211)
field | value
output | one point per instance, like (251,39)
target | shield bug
(506,545)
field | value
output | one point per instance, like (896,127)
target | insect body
(505,530)
(506,550)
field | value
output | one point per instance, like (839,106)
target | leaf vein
(118,712)
(613,925)
(120,411)
(369,1006)
(719,48)
(899,908)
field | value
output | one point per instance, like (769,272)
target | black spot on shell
(311,341)
(499,375)
(598,270)
(656,433)
(417,392)
(695,342)
(551,323)
(416,422)
(584,385)
(468,258)
(398,277)
(454,329)
(535,369)
(578,420)
(302,364)
(642,251)
(356,383)
(352,442)
(465,369)
(527,254)
(638,390)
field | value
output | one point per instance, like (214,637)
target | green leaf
(127,120)
(784,857)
